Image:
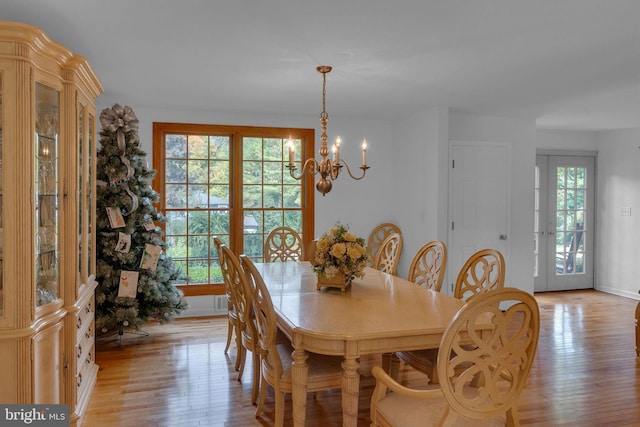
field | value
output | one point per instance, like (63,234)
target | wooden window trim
(160,129)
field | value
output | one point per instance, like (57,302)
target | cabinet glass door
(91,206)
(46,194)
(81,207)
(1,234)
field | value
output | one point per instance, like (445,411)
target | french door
(564,222)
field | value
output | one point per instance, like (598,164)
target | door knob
(503,237)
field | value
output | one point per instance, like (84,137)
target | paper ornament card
(116,220)
(128,284)
(150,257)
(124,243)
(149,225)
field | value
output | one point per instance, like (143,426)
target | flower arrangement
(339,251)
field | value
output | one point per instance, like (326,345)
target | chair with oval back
(377,236)
(234,274)
(283,244)
(480,383)
(388,255)
(429,265)
(325,372)
(232,311)
(482,272)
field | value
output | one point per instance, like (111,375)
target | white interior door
(479,202)
(564,223)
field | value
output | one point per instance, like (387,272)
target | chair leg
(242,356)
(256,377)
(279,408)
(263,392)
(229,335)
(513,419)
(238,347)
(391,364)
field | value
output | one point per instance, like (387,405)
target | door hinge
(452,226)
(453,164)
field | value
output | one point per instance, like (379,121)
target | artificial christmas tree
(136,280)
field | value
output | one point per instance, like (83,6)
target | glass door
(46,195)
(564,223)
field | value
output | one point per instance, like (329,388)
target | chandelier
(328,168)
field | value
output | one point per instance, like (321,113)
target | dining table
(377,314)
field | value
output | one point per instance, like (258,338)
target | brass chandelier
(328,168)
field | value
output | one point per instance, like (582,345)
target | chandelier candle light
(328,168)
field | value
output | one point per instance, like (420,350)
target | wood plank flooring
(586,373)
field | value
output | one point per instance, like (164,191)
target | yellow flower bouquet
(338,251)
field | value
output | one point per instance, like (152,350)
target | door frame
(592,208)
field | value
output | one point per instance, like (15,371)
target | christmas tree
(136,280)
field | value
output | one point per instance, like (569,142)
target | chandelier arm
(364,170)
(310,164)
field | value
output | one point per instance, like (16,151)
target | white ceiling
(570,64)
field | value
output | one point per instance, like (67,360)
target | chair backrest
(283,244)
(265,315)
(378,234)
(429,265)
(483,271)
(231,298)
(388,255)
(234,279)
(484,379)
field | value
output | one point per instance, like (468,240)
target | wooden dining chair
(283,244)
(324,372)
(233,273)
(234,329)
(429,265)
(377,236)
(480,383)
(388,255)
(483,271)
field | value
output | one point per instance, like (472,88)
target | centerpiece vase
(337,281)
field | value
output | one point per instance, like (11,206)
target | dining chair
(377,236)
(388,255)
(483,271)
(429,265)
(324,372)
(232,311)
(283,244)
(481,383)
(234,274)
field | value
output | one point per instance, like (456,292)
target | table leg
(350,391)
(299,373)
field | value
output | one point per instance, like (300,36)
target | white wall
(520,134)
(420,159)
(617,237)
(566,140)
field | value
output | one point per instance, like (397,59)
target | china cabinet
(47,215)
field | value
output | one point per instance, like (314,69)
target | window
(230,182)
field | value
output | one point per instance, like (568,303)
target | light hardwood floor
(586,373)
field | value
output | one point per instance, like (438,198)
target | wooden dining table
(378,313)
